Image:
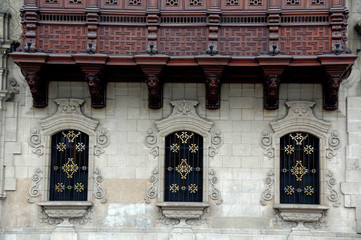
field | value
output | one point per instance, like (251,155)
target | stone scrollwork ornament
(34,191)
(334,144)
(332,194)
(152,191)
(214,193)
(266,144)
(99,190)
(35,142)
(216,140)
(267,194)
(102,142)
(151,142)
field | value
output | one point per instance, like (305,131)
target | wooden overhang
(212,42)
(155,70)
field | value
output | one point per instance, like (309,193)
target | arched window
(69,166)
(299,168)
(183,168)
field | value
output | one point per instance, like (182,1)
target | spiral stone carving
(214,192)
(332,194)
(34,191)
(99,191)
(35,142)
(267,194)
(266,144)
(152,191)
(334,143)
(102,142)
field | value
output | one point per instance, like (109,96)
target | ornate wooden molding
(155,88)
(213,86)
(331,86)
(271,86)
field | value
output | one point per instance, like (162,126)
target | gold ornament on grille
(60,187)
(308,149)
(174,188)
(69,187)
(79,187)
(289,190)
(184,136)
(299,138)
(70,168)
(184,188)
(80,147)
(309,190)
(71,135)
(174,148)
(284,170)
(289,149)
(193,148)
(61,147)
(193,188)
(183,169)
(299,170)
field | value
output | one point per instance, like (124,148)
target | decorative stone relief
(268,193)
(35,142)
(34,190)
(216,140)
(151,141)
(87,218)
(334,144)
(214,193)
(266,144)
(102,142)
(99,190)
(152,191)
(332,194)
(13,8)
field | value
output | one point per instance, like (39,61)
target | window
(299,168)
(69,166)
(183,167)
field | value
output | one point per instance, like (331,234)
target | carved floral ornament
(183,117)
(300,118)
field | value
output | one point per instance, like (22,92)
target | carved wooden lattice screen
(299,168)
(69,166)
(183,167)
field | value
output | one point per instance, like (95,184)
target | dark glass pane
(183,167)
(299,168)
(69,166)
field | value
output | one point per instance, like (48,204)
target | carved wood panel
(243,40)
(183,41)
(62,38)
(305,40)
(122,40)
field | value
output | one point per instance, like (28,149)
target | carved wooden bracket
(153,81)
(331,86)
(271,86)
(213,86)
(96,83)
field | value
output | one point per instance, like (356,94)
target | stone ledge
(301,213)
(182,211)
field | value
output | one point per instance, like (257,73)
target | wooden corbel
(94,75)
(213,76)
(331,86)
(272,76)
(153,81)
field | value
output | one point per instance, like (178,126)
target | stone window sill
(301,213)
(182,211)
(65,210)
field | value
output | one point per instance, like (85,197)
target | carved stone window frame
(68,116)
(300,118)
(183,118)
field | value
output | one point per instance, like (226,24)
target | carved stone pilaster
(274,21)
(338,19)
(214,22)
(153,81)
(213,86)
(152,24)
(30,16)
(271,86)
(96,83)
